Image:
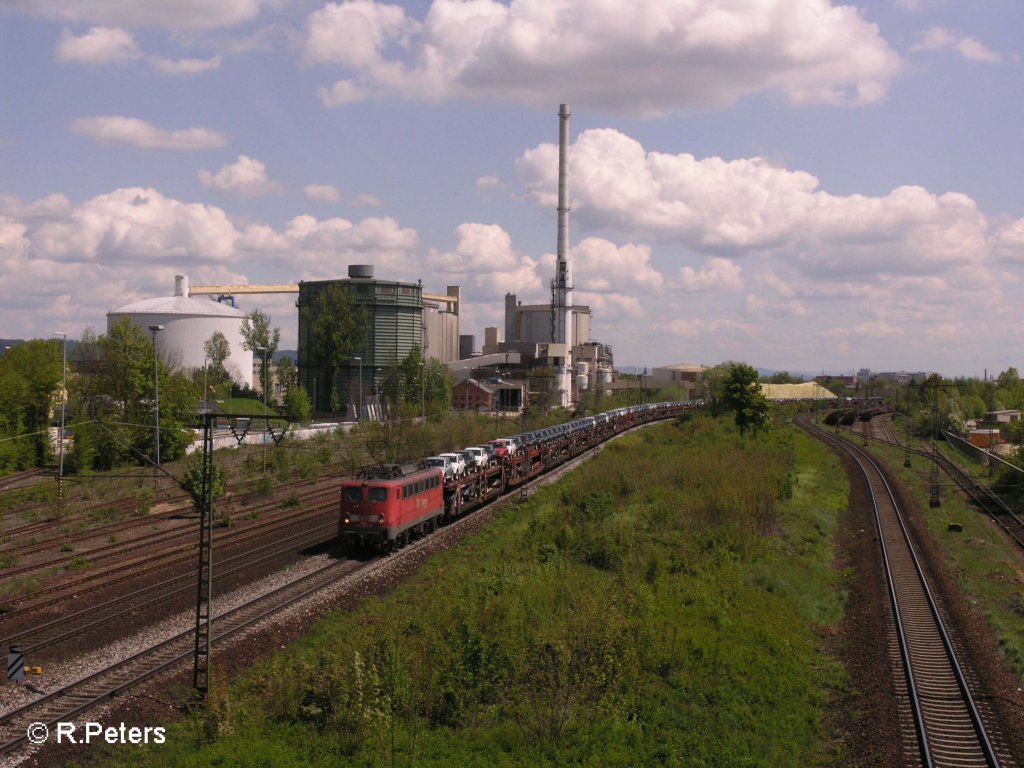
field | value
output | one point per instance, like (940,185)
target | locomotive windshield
(378,494)
(352,493)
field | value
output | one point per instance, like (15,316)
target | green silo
(394,327)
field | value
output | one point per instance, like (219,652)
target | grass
(662,605)
(246,406)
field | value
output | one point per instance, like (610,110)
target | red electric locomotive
(390,504)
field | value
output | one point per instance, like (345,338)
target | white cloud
(600,266)
(100,45)
(245,178)
(131,224)
(341,93)
(939,38)
(132,132)
(185,66)
(1009,241)
(129,243)
(718,274)
(170,14)
(323,249)
(322,193)
(975,50)
(485,260)
(543,52)
(745,206)
(105,45)
(490,182)
(366,200)
(762,306)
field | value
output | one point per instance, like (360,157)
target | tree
(743,396)
(287,376)
(543,392)
(217,349)
(336,325)
(297,406)
(712,388)
(30,381)
(439,386)
(784,377)
(257,334)
(117,391)
(409,380)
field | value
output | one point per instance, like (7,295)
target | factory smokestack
(561,286)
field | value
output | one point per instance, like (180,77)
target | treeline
(108,395)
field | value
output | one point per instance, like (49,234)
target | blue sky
(798,184)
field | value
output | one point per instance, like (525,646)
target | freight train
(389,505)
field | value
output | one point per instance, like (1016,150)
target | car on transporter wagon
(388,506)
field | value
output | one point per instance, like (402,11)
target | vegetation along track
(73,699)
(982,496)
(948,727)
(119,677)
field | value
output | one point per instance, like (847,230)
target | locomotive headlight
(380,519)
(347,520)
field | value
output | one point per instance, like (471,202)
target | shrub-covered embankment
(663,605)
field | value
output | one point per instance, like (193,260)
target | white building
(188,323)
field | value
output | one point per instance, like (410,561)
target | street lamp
(63,397)
(359,405)
(155,329)
(263,351)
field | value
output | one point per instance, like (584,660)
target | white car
(479,457)
(443,463)
(458,463)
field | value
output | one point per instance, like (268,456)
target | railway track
(74,699)
(140,552)
(948,728)
(980,494)
(20,479)
(65,704)
(175,590)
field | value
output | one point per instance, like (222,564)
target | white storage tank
(582,381)
(583,369)
(188,323)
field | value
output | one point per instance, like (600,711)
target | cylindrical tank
(582,382)
(583,369)
(361,271)
(606,376)
(188,323)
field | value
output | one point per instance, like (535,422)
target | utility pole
(155,329)
(265,425)
(60,437)
(204,586)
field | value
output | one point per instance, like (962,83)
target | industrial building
(188,323)
(533,322)
(400,317)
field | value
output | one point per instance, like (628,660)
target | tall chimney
(562,284)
